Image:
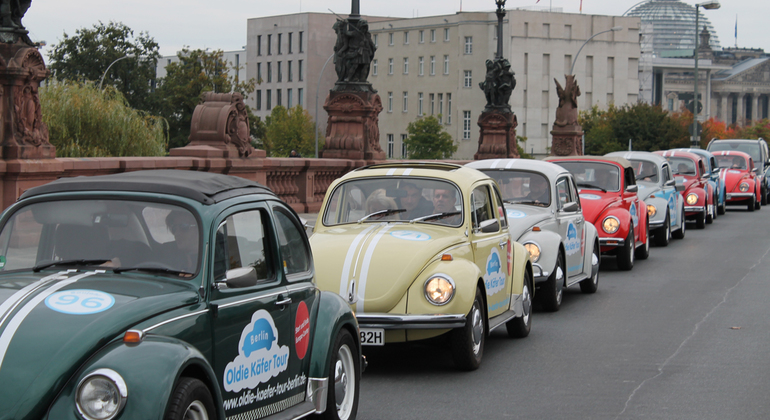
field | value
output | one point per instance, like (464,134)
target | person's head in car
(738,163)
(603,177)
(183,226)
(444,200)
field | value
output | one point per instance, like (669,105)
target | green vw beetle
(167,295)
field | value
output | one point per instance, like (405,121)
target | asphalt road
(684,335)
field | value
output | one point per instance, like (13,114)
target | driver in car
(538,191)
(444,202)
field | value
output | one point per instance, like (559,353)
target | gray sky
(222,24)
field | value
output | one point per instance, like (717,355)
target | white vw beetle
(544,213)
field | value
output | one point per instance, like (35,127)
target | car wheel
(758,204)
(626,254)
(467,343)
(519,327)
(551,292)
(663,235)
(590,284)
(714,210)
(191,400)
(344,379)
(752,204)
(722,209)
(764,197)
(679,234)
(700,222)
(644,251)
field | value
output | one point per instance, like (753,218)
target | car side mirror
(670,183)
(241,277)
(489,226)
(570,207)
(706,176)
(632,188)
(754,170)
(680,187)
(715,171)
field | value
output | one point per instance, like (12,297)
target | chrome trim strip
(267,295)
(694,208)
(317,390)
(605,242)
(170,320)
(410,322)
(501,319)
(657,223)
(299,288)
(539,267)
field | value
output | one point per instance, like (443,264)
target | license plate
(372,336)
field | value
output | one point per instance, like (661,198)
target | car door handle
(503,243)
(283,302)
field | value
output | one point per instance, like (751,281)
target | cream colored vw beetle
(422,249)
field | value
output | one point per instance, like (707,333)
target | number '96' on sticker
(80,302)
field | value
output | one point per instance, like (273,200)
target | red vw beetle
(690,170)
(609,200)
(739,175)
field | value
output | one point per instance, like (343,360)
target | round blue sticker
(80,302)
(410,235)
(590,197)
(516,214)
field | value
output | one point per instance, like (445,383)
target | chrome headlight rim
(539,251)
(694,199)
(604,226)
(442,276)
(744,187)
(116,380)
(651,210)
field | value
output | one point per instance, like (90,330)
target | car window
(732,162)
(563,192)
(573,192)
(594,174)
(682,166)
(666,173)
(241,241)
(522,187)
(645,170)
(294,250)
(481,209)
(500,208)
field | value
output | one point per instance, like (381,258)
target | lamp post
(695,139)
(318,87)
(574,60)
(500,15)
(108,68)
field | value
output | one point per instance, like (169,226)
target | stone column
(723,115)
(497,137)
(352,130)
(708,113)
(741,114)
(754,108)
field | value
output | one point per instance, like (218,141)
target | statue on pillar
(567,132)
(498,84)
(354,50)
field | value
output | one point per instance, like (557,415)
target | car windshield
(522,187)
(645,170)
(116,235)
(594,175)
(682,166)
(393,199)
(732,162)
(751,148)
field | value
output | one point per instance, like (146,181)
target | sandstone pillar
(567,134)
(497,137)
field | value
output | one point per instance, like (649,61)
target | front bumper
(694,209)
(739,196)
(410,322)
(654,224)
(612,242)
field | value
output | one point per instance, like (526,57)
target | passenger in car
(183,226)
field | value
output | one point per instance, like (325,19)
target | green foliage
(178,93)
(522,149)
(287,129)
(88,54)
(84,121)
(428,140)
(649,127)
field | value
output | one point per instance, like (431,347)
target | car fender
(622,215)
(521,265)
(465,275)
(592,238)
(661,206)
(163,358)
(700,192)
(550,244)
(335,316)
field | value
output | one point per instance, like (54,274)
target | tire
(467,343)
(344,379)
(763,192)
(519,327)
(715,210)
(722,209)
(191,399)
(679,234)
(551,293)
(751,206)
(626,254)
(758,204)
(700,222)
(590,284)
(709,214)
(663,235)
(643,252)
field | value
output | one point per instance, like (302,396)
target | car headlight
(744,187)
(692,199)
(611,224)
(101,395)
(651,210)
(534,251)
(439,289)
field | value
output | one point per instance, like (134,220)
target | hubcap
(632,249)
(196,411)
(595,262)
(559,282)
(526,304)
(344,382)
(477,327)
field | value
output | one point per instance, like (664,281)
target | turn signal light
(536,229)
(447,257)
(133,336)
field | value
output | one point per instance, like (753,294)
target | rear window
(751,148)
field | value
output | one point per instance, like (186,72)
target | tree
(428,140)
(290,129)
(179,91)
(87,55)
(84,121)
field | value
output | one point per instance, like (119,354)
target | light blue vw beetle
(717,183)
(657,188)
(544,215)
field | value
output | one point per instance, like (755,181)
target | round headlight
(692,199)
(439,290)
(611,224)
(744,187)
(534,251)
(101,395)
(651,210)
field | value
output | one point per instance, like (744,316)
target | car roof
(736,141)
(679,153)
(639,155)
(549,169)
(462,176)
(619,160)
(732,153)
(204,187)
(701,152)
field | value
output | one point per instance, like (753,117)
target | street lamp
(500,15)
(695,139)
(614,29)
(108,68)
(318,88)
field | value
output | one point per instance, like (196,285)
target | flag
(736,31)
(581,6)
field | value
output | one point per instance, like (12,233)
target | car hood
(522,217)
(687,181)
(647,189)
(594,203)
(372,265)
(47,332)
(732,178)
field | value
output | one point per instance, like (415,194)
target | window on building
(421,65)
(611,67)
(432,65)
(449,108)
(446,64)
(432,100)
(299,42)
(406,102)
(270,45)
(468,45)
(269,100)
(259,44)
(300,102)
(376,40)
(390,101)
(259,72)
(589,65)
(278,97)
(406,65)
(289,102)
(419,104)
(374,67)
(422,36)
(526,63)
(259,100)
(567,62)
(568,31)
(526,29)
(291,38)
(269,72)
(546,30)
(280,74)
(403,145)
(546,64)
(446,34)
(406,37)
(289,76)
(390,38)
(390,66)
(466,125)
(279,43)
(432,35)
(299,70)
(441,108)
(468,79)
(670,104)
(391,146)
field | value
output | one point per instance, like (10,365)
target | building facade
(235,59)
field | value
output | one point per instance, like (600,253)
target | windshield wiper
(435,216)
(592,186)
(96,261)
(381,213)
(150,269)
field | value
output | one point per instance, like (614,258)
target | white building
(235,60)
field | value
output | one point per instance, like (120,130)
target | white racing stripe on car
(510,164)
(365,268)
(346,275)
(627,155)
(391,172)
(408,171)
(495,163)
(10,329)
(17,297)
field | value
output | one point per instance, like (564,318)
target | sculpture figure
(353,51)
(11,12)
(498,84)
(567,112)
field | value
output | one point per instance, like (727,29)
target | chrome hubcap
(526,304)
(344,382)
(477,327)
(196,411)
(559,283)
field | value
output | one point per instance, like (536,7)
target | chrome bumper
(730,196)
(612,242)
(688,209)
(656,224)
(538,273)
(410,322)
(317,390)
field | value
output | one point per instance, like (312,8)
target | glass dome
(673,24)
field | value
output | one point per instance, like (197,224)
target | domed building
(671,25)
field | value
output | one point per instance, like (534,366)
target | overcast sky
(222,24)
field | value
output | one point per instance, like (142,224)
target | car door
(490,244)
(251,317)
(571,226)
(668,189)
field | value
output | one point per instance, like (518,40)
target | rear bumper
(410,322)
